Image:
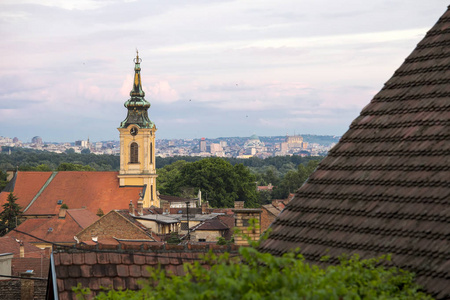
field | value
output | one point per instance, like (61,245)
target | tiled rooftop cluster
(124,265)
(384,188)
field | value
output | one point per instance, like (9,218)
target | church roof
(384,188)
(25,186)
(39,192)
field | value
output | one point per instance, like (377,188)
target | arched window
(134,151)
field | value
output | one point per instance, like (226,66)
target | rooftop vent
(60,202)
(50,229)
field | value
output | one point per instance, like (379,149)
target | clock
(133,131)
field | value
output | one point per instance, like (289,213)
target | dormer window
(60,202)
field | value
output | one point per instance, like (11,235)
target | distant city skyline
(210,68)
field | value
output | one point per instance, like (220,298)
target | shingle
(384,188)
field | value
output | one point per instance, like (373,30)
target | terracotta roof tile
(384,188)
(9,244)
(92,190)
(52,229)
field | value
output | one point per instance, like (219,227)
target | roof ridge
(49,180)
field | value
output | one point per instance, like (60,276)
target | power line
(154,254)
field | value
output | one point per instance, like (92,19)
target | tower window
(151,153)
(134,153)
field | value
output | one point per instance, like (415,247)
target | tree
(10,216)
(293,180)
(70,151)
(74,167)
(3,181)
(100,212)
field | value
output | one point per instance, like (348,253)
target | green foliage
(174,238)
(34,160)
(256,275)
(3,181)
(100,212)
(64,206)
(220,182)
(10,215)
(294,179)
(74,167)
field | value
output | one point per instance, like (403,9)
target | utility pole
(187,213)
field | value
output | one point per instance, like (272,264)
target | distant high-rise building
(215,148)
(294,141)
(223,144)
(203,145)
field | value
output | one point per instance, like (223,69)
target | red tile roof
(55,230)
(11,245)
(170,198)
(92,190)
(26,186)
(40,266)
(384,188)
(211,224)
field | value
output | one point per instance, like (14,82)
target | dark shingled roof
(122,265)
(384,188)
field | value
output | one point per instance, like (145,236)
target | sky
(210,68)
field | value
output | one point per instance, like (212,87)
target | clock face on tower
(133,131)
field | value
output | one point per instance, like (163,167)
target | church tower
(137,143)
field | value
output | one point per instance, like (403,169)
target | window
(151,153)
(134,151)
(202,240)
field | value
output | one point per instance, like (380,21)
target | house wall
(22,289)
(242,220)
(5,264)
(112,225)
(208,235)
(266,219)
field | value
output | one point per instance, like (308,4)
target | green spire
(137,106)
(137,86)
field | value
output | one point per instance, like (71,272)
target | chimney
(200,198)
(62,213)
(238,204)
(26,286)
(166,208)
(140,207)
(131,208)
(22,249)
(204,207)
(10,174)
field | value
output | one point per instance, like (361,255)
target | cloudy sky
(209,69)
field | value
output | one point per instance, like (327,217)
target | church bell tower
(137,143)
